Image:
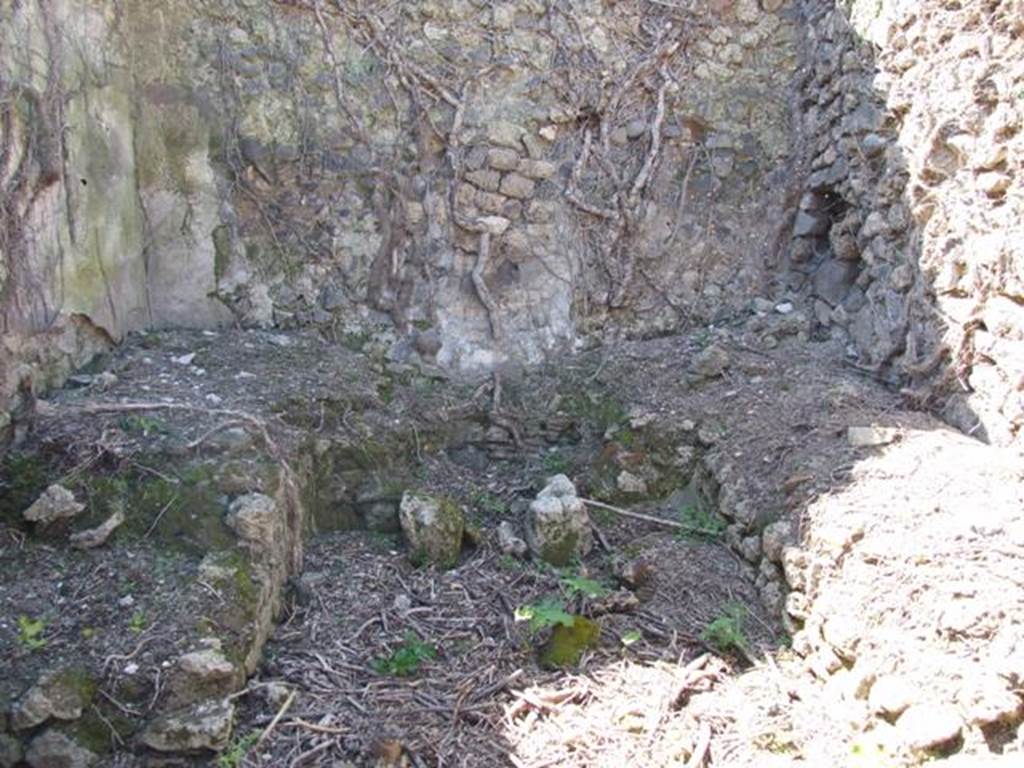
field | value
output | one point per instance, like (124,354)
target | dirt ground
(835,565)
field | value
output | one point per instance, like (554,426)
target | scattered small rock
(56,503)
(633,573)
(710,363)
(184,359)
(621,601)
(636,128)
(509,542)
(105,380)
(97,537)
(871,437)
(277,693)
(53,749)
(402,603)
(775,538)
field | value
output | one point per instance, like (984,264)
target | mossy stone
(567,643)
(433,528)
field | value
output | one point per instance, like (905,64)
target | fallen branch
(646,518)
(300,723)
(277,718)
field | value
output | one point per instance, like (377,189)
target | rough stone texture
(11,752)
(913,151)
(710,363)
(206,725)
(509,541)
(196,190)
(557,524)
(256,519)
(203,675)
(53,749)
(433,529)
(56,503)
(60,694)
(924,727)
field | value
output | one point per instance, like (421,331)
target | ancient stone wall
(474,184)
(909,237)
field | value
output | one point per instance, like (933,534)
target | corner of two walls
(116,241)
(263,165)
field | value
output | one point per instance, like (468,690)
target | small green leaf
(30,632)
(630,637)
(546,613)
(583,586)
(405,660)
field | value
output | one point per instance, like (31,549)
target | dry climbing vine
(609,186)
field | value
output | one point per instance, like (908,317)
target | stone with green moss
(557,524)
(204,674)
(53,748)
(60,694)
(567,643)
(203,726)
(433,529)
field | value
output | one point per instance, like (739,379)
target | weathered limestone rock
(206,725)
(775,538)
(710,363)
(97,537)
(924,727)
(203,675)
(255,518)
(871,437)
(519,187)
(433,529)
(509,541)
(485,179)
(536,169)
(891,695)
(631,484)
(557,524)
(60,694)
(56,503)
(503,159)
(11,752)
(990,700)
(505,134)
(495,225)
(53,749)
